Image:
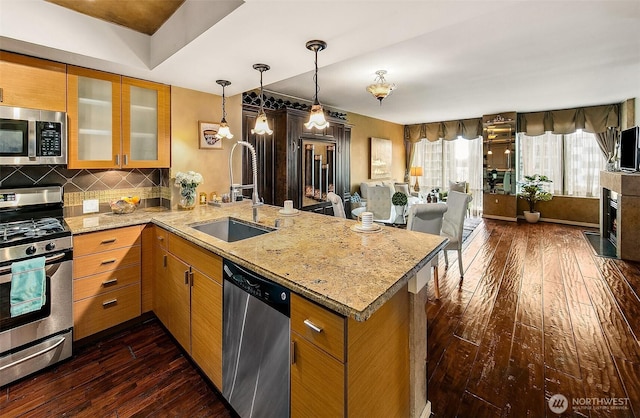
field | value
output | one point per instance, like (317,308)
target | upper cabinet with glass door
(116,122)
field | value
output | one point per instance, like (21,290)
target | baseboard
(500,218)
(566,222)
(426,412)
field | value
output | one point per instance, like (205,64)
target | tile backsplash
(151,184)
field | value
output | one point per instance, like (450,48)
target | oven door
(56,314)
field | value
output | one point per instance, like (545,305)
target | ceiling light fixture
(380,88)
(224,131)
(262,125)
(316,118)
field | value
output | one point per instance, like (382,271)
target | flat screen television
(629,151)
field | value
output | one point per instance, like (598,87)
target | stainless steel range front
(36,253)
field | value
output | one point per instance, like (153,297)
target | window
(572,161)
(457,160)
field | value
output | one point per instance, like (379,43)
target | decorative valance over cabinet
(594,119)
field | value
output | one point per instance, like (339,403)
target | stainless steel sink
(231,229)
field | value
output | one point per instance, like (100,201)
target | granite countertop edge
(249,254)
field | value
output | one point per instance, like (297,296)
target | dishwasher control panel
(272,294)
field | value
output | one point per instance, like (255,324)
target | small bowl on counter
(124,206)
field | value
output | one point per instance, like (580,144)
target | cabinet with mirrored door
(299,164)
(499,165)
(117,122)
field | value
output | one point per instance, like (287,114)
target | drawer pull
(108,241)
(109,303)
(110,261)
(110,282)
(312,326)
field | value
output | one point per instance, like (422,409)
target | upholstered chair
(453,225)
(336,202)
(428,218)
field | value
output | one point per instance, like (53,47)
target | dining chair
(428,218)
(453,225)
(336,202)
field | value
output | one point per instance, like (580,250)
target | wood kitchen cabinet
(32,82)
(116,122)
(350,368)
(106,279)
(188,300)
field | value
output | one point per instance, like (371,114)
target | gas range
(31,223)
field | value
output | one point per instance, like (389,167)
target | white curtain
(542,155)
(457,160)
(572,161)
(583,162)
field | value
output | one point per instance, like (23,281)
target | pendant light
(380,88)
(223,131)
(316,118)
(262,124)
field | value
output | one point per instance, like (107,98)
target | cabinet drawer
(105,261)
(161,237)
(197,257)
(106,240)
(105,282)
(331,336)
(106,310)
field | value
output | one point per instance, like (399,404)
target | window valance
(593,119)
(448,130)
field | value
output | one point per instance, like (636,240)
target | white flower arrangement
(190,179)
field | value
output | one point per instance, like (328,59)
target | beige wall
(187,108)
(363,129)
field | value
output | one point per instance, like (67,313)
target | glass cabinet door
(94,119)
(144,124)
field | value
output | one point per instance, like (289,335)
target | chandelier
(224,131)
(380,88)
(262,124)
(316,118)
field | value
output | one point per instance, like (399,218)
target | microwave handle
(31,149)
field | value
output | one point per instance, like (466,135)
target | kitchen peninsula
(370,285)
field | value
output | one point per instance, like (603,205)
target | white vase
(399,214)
(531,217)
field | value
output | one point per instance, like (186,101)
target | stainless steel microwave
(30,136)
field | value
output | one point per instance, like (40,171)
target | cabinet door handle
(110,261)
(108,241)
(186,277)
(191,278)
(109,282)
(117,159)
(292,353)
(164,260)
(313,326)
(160,238)
(1,96)
(109,303)
(126,160)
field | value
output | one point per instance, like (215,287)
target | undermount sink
(231,229)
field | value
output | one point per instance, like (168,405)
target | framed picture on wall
(207,135)
(380,158)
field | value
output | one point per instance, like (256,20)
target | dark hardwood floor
(538,314)
(136,373)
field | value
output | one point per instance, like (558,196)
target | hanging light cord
(224,109)
(261,94)
(315,77)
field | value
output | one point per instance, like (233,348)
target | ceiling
(449,59)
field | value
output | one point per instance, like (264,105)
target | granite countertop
(317,256)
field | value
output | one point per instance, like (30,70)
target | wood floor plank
(622,342)
(559,383)
(630,373)
(490,367)
(530,297)
(473,406)
(523,387)
(446,387)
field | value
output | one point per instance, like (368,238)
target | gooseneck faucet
(255,199)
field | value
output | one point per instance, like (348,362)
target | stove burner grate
(28,229)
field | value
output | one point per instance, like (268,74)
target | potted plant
(532,190)
(399,200)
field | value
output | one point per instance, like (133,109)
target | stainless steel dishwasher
(255,344)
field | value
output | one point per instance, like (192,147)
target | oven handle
(47,260)
(34,355)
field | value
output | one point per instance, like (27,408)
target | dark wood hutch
(295,163)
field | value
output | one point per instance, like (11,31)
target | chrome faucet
(255,199)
